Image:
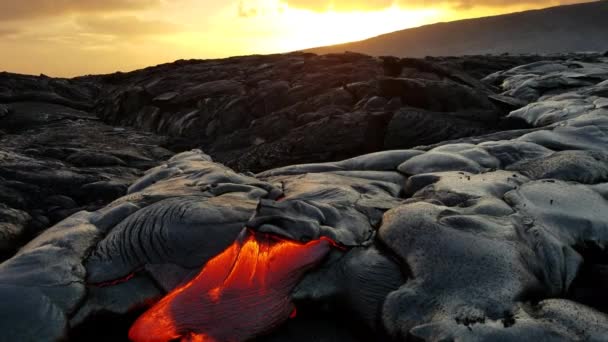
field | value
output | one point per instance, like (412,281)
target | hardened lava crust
(307,198)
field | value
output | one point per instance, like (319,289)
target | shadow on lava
(106,327)
(590,285)
(315,323)
(311,324)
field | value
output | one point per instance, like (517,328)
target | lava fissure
(117,281)
(240,294)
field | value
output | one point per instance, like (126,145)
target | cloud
(370,5)
(254,8)
(8,31)
(28,9)
(246,10)
(340,5)
(126,26)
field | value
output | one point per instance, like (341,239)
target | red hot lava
(241,293)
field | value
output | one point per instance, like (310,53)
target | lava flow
(241,293)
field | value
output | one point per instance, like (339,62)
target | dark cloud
(27,9)
(126,26)
(363,5)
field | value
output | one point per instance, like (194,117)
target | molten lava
(241,293)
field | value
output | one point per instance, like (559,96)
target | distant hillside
(581,27)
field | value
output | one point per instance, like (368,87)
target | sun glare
(290,29)
(305,29)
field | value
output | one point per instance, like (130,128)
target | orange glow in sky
(76,37)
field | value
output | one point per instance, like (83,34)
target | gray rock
(191,231)
(13,226)
(438,162)
(410,127)
(576,166)
(461,287)
(439,96)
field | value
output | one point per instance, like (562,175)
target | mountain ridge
(579,27)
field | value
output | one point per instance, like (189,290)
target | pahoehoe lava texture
(497,236)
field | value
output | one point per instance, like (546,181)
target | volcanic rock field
(304,197)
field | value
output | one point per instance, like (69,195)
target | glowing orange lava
(241,293)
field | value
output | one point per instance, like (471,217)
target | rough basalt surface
(498,233)
(56,160)
(255,113)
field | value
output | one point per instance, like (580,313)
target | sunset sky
(75,37)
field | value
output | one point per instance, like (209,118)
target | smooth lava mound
(241,293)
